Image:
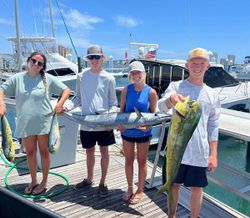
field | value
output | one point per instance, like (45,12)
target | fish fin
(181,106)
(161,190)
(137,112)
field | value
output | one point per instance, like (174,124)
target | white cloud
(126,21)
(6,22)
(75,19)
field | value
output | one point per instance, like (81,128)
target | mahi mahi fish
(54,136)
(115,120)
(185,118)
(8,146)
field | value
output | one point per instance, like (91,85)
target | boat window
(218,77)
(61,72)
(178,73)
(166,77)
(156,72)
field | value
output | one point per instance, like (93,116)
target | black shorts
(137,140)
(192,176)
(103,138)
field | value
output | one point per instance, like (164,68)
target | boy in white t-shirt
(201,153)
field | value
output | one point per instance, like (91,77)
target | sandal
(135,198)
(29,189)
(38,190)
(83,184)
(126,197)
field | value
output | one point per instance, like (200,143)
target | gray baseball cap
(94,50)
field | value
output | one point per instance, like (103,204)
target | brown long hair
(42,71)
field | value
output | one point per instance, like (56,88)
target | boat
(241,71)
(57,65)
(233,94)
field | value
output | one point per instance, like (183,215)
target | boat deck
(87,203)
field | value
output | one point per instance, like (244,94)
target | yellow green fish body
(54,136)
(185,118)
(8,146)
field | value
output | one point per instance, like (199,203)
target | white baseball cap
(136,66)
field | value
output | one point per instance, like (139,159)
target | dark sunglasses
(34,61)
(96,57)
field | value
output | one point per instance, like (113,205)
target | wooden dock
(87,203)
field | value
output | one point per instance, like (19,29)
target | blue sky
(176,25)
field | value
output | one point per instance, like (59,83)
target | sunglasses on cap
(96,57)
(39,63)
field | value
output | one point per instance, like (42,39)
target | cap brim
(136,70)
(94,54)
(198,57)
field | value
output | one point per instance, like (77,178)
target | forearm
(2,104)
(213,148)
(65,96)
(1,97)
(212,162)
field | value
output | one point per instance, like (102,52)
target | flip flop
(126,197)
(38,191)
(135,199)
(29,189)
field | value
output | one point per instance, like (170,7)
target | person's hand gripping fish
(174,99)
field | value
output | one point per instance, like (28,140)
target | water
(232,152)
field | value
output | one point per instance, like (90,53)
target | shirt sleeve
(76,101)
(112,96)
(56,86)
(9,87)
(161,102)
(213,120)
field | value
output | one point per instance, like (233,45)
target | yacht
(241,71)
(57,64)
(233,93)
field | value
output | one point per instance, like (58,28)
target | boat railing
(224,169)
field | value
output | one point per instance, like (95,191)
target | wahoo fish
(185,118)
(115,120)
(8,146)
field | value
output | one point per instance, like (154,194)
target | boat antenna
(129,48)
(18,48)
(51,20)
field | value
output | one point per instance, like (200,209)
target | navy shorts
(137,140)
(192,176)
(103,138)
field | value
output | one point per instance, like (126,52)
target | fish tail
(164,188)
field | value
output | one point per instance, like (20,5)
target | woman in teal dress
(32,91)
